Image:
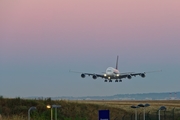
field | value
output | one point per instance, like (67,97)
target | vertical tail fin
(117,63)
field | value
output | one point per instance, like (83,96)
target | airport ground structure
(17,109)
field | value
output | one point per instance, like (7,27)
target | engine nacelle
(83,75)
(143,75)
(129,76)
(94,76)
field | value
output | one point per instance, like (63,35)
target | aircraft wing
(94,75)
(97,75)
(130,74)
(121,76)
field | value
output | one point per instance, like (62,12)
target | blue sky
(40,43)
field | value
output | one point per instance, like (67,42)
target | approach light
(31,108)
(162,108)
(48,106)
(55,107)
(135,108)
(144,106)
(159,111)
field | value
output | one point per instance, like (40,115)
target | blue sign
(104,115)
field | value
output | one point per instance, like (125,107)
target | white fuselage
(112,73)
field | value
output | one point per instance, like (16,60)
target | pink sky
(48,26)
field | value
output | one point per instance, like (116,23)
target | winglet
(117,63)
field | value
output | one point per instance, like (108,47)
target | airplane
(113,74)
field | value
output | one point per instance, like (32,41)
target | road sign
(104,115)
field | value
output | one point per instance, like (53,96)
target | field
(154,104)
(172,108)
(16,109)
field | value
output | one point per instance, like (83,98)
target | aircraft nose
(109,72)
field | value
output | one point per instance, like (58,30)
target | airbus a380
(113,74)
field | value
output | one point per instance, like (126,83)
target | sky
(40,41)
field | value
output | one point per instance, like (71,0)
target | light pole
(144,106)
(31,108)
(135,107)
(53,106)
(49,106)
(56,106)
(161,108)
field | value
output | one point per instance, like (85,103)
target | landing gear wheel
(120,80)
(105,80)
(110,80)
(116,80)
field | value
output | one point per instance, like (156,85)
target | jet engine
(94,76)
(83,75)
(143,75)
(129,77)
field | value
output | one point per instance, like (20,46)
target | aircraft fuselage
(111,73)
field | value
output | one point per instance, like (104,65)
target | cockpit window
(108,70)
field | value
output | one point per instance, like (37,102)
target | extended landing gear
(107,80)
(111,80)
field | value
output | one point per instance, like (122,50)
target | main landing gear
(118,80)
(107,80)
(111,80)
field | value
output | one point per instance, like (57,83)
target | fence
(172,114)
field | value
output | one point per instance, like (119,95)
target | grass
(16,109)
(14,117)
